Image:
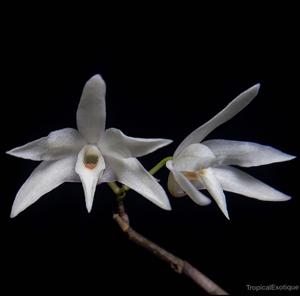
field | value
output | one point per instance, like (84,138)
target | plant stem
(115,188)
(179,265)
(160,165)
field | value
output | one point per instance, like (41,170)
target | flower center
(91,158)
(194,176)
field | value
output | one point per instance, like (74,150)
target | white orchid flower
(207,165)
(91,155)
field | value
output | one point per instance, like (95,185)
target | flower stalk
(160,165)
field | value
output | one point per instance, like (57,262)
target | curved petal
(114,140)
(47,176)
(173,187)
(245,154)
(198,184)
(234,180)
(238,104)
(197,196)
(130,172)
(89,166)
(91,112)
(214,187)
(193,158)
(56,145)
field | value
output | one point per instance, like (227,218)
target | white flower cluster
(93,155)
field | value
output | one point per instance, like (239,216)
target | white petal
(91,112)
(47,176)
(115,141)
(130,172)
(108,176)
(234,180)
(214,187)
(197,196)
(238,104)
(193,158)
(56,145)
(173,187)
(89,166)
(245,154)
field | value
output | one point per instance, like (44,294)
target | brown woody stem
(179,265)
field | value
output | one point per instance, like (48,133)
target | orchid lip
(194,176)
(90,161)
(91,157)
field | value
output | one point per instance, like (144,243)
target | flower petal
(214,187)
(89,166)
(193,158)
(117,142)
(108,176)
(91,112)
(129,171)
(234,180)
(238,104)
(56,145)
(190,190)
(47,176)
(173,187)
(245,154)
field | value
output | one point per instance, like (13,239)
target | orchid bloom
(91,155)
(207,165)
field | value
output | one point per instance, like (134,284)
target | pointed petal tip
(167,207)
(16,153)
(226,215)
(88,204)
(168,141)
(224,211)
(96,77)
(255,89)
(165,142)
(164,204)
(290,157)
(89,208)
(12,152)
(12,215)
(279,198)
(14,211)
(284,198)
(257,86)
(287,198)
(9,152)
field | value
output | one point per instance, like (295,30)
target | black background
(166,75)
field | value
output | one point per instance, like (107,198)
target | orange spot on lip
(90,165)
(193,176)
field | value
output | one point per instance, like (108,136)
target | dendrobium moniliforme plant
(92,155)
(208,165)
